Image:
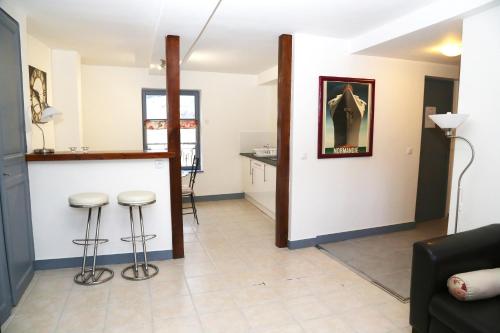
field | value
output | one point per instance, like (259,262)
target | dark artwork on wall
(345,117)
(38,92)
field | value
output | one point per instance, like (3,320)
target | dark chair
(432,308)
(188,190)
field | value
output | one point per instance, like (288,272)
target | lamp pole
(451,136)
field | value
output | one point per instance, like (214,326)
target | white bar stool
(138,199)
(91,275)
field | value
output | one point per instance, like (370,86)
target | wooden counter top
(99,155)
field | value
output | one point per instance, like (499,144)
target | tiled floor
(232,280)
(387,258)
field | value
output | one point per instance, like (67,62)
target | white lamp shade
(449,120)
(49,113)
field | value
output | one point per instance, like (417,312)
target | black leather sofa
(432,308)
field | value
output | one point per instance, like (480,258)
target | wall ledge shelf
(98,155)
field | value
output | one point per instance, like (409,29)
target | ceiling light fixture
(451,49)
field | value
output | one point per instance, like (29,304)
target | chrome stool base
(101,275)
(138,271)
(91,274)
(143,272)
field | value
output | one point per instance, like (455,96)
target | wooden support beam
(283,165)
(174,143)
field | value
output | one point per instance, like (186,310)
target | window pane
(156,136)
(187,107)
(156,107)
(188,135)
(157,147)
(188,151)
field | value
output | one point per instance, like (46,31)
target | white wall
(336,195)
(66,95)
(478,97)
(55,224)
(230,104)
(40,56)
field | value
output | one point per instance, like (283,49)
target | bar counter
(54,177)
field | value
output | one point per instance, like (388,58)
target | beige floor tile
(292,328)
(224,322)
(328,325)
(82,320)
(173,306)
(128,317)
(254,295)
(397,312)
(132,292)
(306,308)
(290,288)
(40,323)
(80,298)
(214,302)
(199,269)
(207,283)
(368,320)
(189,324)
(267,315)
(43,303)
(161,289)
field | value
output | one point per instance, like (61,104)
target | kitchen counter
(99,155)
(266,160)
(53,178)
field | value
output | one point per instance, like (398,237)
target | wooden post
(283,166)
(174,143)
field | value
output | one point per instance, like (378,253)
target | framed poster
(38,92)
(345,117)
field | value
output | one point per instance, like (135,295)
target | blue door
(14,186)
(5,298)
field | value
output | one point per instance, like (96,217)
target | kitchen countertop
(266,160)
(98,155)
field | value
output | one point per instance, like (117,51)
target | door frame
(284,88)
(452,142)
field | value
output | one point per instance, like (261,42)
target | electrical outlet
(160,164)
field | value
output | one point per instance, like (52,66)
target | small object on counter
(85,149)
(73,149)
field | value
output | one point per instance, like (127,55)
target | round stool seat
(136,198)
(90,199)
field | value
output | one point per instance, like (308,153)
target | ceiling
(422,45)
(240,37)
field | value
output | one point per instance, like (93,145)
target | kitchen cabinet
(259,184)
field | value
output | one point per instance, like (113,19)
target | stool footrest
(138,239)
(90,241)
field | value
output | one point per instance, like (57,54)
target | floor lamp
(448,122)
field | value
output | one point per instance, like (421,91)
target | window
(154,113)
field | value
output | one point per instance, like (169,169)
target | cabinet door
(269,188)
(5,295)
(14,187)
(246,169)
(257,187)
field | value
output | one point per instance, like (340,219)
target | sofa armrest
(435,260)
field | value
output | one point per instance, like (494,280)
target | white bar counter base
(56,224)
